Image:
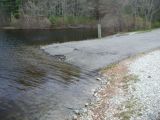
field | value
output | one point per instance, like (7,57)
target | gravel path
(132,91)
(147,89)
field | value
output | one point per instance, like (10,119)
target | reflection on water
(35,86)
(42,37)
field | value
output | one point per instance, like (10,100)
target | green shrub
(156,24)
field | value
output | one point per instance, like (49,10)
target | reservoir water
(36,86)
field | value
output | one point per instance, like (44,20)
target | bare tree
(56,7)
(145,9)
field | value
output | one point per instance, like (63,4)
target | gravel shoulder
(131,92)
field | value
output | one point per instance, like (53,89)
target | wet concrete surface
(98,53)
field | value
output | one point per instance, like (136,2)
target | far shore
(50,28)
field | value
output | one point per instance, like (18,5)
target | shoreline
(50,28)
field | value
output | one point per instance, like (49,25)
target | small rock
(149,77)
(98,99)
(95,95)
(86,104)
(104,82)
(84,110)
(75,117)
(77,112)
(99,79)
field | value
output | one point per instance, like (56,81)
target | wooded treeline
(114,15)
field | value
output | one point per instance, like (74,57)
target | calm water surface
(35,86)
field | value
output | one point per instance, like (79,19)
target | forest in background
(114,15)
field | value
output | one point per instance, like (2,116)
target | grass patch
(110,66)
(132,108)
(144,31)
(128,80)
(131,78)
(70,20)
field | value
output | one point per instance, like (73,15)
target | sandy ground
(131,91)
